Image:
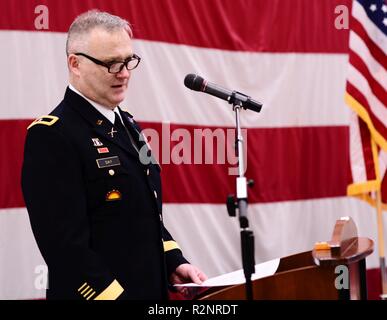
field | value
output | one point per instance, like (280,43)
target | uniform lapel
(105,130)
(136,132)
(133,128)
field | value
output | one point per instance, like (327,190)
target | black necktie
(136,138)
(123,132)
(139,139)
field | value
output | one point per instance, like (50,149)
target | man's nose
(124,73)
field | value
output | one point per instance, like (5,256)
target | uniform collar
(105,111)
(102,127)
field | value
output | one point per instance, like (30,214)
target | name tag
(108,162)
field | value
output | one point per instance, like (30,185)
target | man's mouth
(118,86)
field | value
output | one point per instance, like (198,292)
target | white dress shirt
(107,112)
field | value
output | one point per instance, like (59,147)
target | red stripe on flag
(376,88)
(12,136)
(384,188)
(286,164)
(375,51)
(250,25)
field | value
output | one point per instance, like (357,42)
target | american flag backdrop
(366,94)
(293,55)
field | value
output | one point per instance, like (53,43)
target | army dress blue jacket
(94,208)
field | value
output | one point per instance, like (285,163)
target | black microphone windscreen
(193,82)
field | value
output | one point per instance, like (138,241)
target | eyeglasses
(115,66)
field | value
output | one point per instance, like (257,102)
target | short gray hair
(92,19)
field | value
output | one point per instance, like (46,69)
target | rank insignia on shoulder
(113,195)
(45,120)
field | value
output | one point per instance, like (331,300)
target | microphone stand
(247,236)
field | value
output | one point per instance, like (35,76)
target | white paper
(262,270)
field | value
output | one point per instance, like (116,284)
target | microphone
(197,83)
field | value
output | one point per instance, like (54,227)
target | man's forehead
(111,45)
(110,37)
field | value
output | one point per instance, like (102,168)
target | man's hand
(186,273)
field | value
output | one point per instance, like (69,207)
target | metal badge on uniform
(108,162)
(103,150)
(112,132)
(96,142)
(113,195)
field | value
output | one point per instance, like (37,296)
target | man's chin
(116,100)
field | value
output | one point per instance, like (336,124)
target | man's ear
(73,64)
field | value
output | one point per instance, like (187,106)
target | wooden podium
(333,270)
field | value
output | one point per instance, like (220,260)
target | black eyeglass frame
(109,65)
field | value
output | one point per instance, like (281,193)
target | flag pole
(383,272)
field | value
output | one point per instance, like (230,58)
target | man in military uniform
(95,208)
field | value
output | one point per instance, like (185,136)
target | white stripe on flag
(361,83)
(378,72)
(357,155)
(307,92)
(280,229)
(23,269)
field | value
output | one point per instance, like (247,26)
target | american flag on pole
(367,96)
